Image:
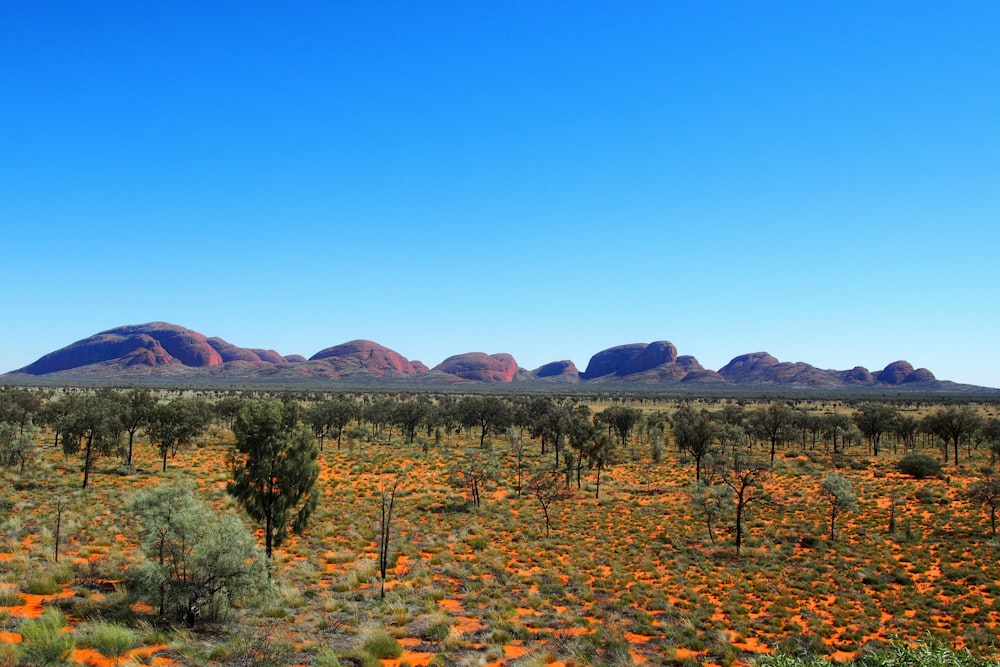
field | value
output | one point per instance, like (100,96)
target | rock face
(902,372)
(564,371)
(230,352)
(748,367)
(153,344)
(480,367)
(630,359)
(858,375)
(364,355)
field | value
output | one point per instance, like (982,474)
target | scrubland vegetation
(175,528)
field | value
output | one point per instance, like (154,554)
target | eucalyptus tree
(135,408)
(694,433)
(744,476)
(330,416)
(491,414)
(410,414)
(92,428)
(986,492)
(989,434)
(274,470)
(545,487)
(840,495)
(175,424)
(773,423)
(581,434)
(621,420)
(905,429)
(874,419)
(953,426)
(19,406)
(550,423)
(54,413)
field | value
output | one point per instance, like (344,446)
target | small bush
(326,658)
(109,639)
(43,642)
(919,466)
(10,598)
(10,655)
(43,584)
(381,644)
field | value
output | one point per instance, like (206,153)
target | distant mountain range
(159,350)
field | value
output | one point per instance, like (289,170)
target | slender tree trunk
(86,460)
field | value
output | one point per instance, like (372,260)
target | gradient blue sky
(820,180)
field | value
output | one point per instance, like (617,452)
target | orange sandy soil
(636,565)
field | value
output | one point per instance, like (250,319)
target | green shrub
(919,466)
(326,658)
(930,654)
(109,639)
(43,642)
(10,655)
(10,598)
(381,644)
(43,584)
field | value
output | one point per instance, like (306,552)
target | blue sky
(548,179)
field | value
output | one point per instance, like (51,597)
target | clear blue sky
(819,180)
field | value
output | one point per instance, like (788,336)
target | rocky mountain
(162,350)
(480,367)
(364,355)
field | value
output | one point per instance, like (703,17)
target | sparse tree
(840,494)
(473,473)
(953,426)
(274,470)
(715,501)
(409,415)
(986,492)
(989,434)
(774,423)
(518,451)
(620,419)
(17,445)
(744,476)
(176,424)
(491,414)
(388,491)
(694,433)
(905,428)
(135,408)
(545,487)
(92,428)
(874,420)
(600,453)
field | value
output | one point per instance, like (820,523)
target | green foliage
(840,494)
(43,642)
(197,562)
(927,654)
(919,466)
(274,469)
(111,640)
(43,583)
(10,654)
(10,598)
(379,643)
(605,646)
(325,658)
